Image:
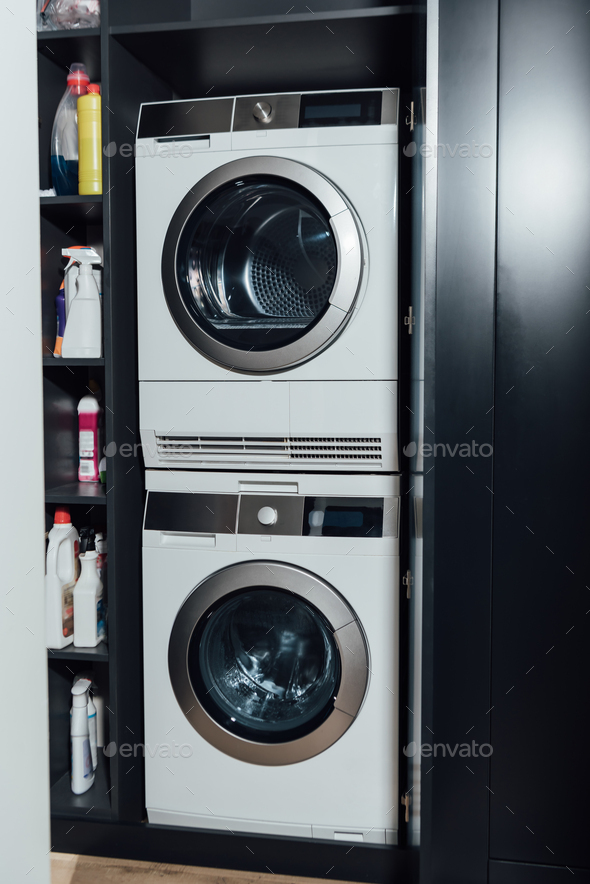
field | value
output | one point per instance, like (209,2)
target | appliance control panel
(293,515)
(173,120)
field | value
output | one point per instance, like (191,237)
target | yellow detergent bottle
(90,141)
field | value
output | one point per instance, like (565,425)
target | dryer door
(268,662)
(262,264)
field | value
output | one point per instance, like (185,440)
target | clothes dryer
(267,281)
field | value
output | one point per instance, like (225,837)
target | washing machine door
(268,662)
(262,264)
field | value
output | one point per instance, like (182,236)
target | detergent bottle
(60,579)
(83,333)
(64,135)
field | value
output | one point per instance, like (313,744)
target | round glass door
(268,663)
(262,264)
(257,264)
(265,665)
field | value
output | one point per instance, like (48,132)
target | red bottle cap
(62,516)
(78,79)
(93,87)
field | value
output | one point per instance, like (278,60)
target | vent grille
(252,449)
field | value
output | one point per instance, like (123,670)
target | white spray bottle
(82,770)
(83,335)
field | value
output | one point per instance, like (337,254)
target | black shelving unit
(149,51)
(99,653)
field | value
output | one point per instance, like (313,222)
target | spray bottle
(83,334)
(89,609)
(82,770)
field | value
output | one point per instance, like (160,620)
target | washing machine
(270,617)
(267,281)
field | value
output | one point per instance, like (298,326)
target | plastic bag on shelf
(65,15)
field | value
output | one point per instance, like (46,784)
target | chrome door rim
(346,286)
(349,640)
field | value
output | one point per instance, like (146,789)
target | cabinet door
(541,628)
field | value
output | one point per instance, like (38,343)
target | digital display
(320,111)
(340,109)
(343,517)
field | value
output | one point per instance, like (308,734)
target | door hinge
(406,801)
(411,119)
(407,582)
(410,320)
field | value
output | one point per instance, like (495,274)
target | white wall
(24,758)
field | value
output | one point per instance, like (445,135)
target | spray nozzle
(83,255)
(87,540)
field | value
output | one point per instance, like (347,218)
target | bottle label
(100,618)
(86,443)
(86,467)
(88,769)
(67,610)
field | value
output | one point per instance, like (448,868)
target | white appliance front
(271,653)
(267,245)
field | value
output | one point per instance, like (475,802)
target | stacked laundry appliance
(268,368)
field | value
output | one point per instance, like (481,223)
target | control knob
(267,515)
(262,111)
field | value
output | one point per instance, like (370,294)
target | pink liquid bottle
(89,431)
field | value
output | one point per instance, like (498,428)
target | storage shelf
(68,211)
(262,20)
(76,492)
(98,654)
(64,48)
(357,48)
(52,362)
(92,805)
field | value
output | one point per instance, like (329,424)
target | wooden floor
(69,869)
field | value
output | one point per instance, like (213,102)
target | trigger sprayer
(83,333)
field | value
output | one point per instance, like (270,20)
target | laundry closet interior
(261,234)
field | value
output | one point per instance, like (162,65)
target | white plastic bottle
(60,579)
(92,716)
(83,335)
(82,777)
(89,611)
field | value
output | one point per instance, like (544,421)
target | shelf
(52,362)
(94,655)
(65,48)
(266,20)
(68,211)
(76,492)
(92,805)
(356,48)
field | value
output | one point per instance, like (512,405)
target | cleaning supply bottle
(64,136)
(82,776)
(90,141)
(89,610)
(60,309)
(92,717)
(71,279)
(83,334)
(89,438)
(60,579)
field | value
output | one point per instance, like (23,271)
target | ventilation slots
(219,449)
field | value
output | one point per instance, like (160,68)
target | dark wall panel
(540,767)
(459,399)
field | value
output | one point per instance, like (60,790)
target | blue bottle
(64,137)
